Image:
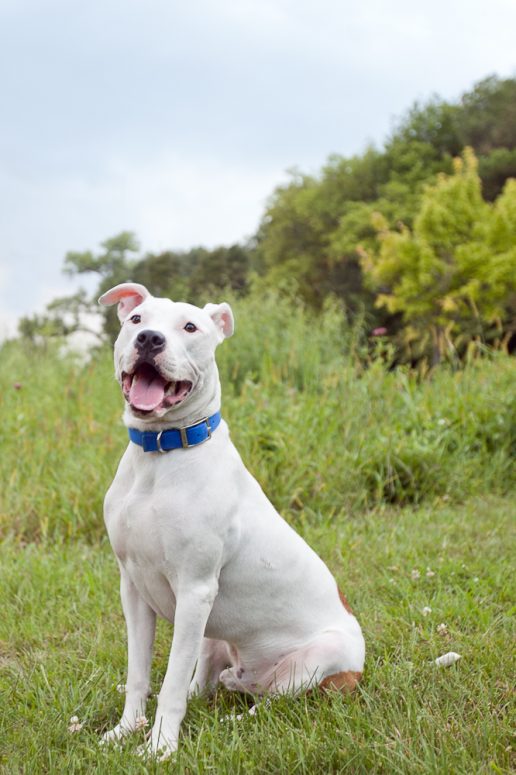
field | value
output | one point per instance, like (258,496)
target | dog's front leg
(193,606)
(141,624)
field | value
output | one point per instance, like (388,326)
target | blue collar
(176,438)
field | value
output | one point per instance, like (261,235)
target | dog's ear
(222,317)
(128,296)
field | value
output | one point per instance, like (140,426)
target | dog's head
(164,354)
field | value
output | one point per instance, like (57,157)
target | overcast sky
(176,120)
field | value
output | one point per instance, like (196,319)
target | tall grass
(321,431)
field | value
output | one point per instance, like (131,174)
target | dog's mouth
(147,390)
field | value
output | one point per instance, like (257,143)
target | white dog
(197,540)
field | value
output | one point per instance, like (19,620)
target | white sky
(176,120)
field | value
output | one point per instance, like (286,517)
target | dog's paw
(115,735)
(122,730)
(158,748)
(229,679)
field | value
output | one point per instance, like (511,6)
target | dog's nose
(150,341)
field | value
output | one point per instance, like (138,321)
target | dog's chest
(146,526)
(134,528)
(144,516)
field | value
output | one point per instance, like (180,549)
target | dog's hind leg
(216,655)
(333,661)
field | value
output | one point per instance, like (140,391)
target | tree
(484,118)
(184,275)
(453,276)
(487,115)
(308,236)
(294,241)
(63,316)
(114,260)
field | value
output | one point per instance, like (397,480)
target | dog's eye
(190,327)
(135,318)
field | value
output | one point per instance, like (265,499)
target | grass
(404,486)
(63,653)
(321,431)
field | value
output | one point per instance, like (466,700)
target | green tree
(487,115)
(307,239)
(295,241)
(113,260)
(484,118)
(191,275)
(453,276)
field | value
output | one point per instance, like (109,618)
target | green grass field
(63,654)
(405,487)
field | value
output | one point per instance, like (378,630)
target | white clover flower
(141,722)
(415,575)
(442,629)
(426,610)
(75,725)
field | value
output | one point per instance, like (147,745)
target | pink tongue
(147,389)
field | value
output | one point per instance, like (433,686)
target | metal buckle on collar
(184,436)
(158,443)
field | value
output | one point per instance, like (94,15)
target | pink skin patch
(147,390)
(181,390)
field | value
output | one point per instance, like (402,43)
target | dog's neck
(204,402)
